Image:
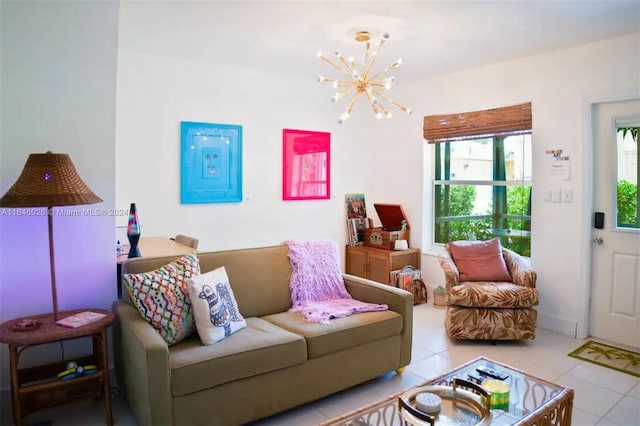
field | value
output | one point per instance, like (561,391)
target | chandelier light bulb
(335,84)
(409,111)
(335,98)
(319,54)
(385,36)
(379,115)
(388,114)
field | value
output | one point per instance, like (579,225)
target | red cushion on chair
(479,260)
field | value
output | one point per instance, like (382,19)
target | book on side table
(80,319)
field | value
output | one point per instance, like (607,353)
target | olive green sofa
(279,361)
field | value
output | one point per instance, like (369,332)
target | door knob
(598,240)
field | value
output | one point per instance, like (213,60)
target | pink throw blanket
(316,284)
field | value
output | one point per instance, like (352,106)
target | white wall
(58,74)
(156,93)
(559,85)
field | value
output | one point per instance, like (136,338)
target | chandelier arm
(340,95)
(373,58)
(373,105)
(373,61)
(380,72)
(346,64)
(382,108)
(354,66)
(353,101)
(366,57)
(382,40)
(382,95)
(344,83)
(324,58)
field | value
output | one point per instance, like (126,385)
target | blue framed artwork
(211,163)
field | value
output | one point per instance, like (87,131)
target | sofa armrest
(396,299)
(519,269)
(451,273)
(142,365)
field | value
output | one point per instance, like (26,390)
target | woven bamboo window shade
(477,124)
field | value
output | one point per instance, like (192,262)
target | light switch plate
(556,197)
(567,195)
(547,195)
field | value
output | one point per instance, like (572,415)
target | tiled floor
(602,396)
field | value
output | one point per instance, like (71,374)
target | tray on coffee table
(532,400)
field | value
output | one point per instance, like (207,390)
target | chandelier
(362,80)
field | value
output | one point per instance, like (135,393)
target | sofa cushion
(479,260)
(162,298)
(214,307)
(492,295)
(340,333)
(258,348)
(264,271)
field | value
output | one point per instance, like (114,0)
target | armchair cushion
(493,295)
(479,260)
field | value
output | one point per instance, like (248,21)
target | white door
(615,272)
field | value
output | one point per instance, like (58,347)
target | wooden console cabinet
(376,264)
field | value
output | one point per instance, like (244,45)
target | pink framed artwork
(306,165)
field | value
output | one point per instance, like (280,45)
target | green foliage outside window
(462,199)
(627,204)
(518,203)
(627,198)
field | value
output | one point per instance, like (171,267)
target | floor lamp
(48,180)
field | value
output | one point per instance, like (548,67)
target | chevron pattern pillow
(162,298)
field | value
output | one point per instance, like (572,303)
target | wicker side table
(35,388)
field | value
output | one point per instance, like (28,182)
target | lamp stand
(52,264)
(29,324)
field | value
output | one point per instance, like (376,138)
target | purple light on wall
(24,263)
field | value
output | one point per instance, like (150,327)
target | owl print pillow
(214,307)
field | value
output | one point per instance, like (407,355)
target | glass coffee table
(532,400)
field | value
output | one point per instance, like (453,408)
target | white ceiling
(432,37)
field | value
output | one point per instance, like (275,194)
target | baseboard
(564,326)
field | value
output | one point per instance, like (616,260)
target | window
(628,168)
(482,176)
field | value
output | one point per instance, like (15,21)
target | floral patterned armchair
(496,310)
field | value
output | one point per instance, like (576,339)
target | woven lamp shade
(48,180)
